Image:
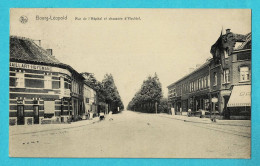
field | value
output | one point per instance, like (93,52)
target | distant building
(41,87)
(222,85)
(90,101)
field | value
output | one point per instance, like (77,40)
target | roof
(26,50)
(244,44)
(197,69)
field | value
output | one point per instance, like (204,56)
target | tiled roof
(243,45)
(194,71)
(26,49)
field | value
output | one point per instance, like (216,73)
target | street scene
(130,83)
(138,135)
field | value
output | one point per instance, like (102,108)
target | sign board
(30,66)
(39,67)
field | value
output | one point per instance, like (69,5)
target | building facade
(222,88)
(191,91)
(41,87)
(90,102)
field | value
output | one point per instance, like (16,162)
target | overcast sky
(165,41)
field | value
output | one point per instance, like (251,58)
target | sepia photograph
(130,83)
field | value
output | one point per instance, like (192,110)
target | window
(208,81)
(66,85)
(244,73)
(226,54)
(33,83)
(226,76)
(13,81)
(199,83)
(205,82)
(215,79)
(244,56)
(20,80)
(55,84)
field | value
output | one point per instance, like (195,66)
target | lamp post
(214,100)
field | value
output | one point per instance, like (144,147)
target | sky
(165,41)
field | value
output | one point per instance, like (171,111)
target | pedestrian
(189,112)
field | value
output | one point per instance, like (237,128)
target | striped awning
(240,96)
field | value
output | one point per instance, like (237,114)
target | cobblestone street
(133,135)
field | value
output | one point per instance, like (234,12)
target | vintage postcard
(130,83)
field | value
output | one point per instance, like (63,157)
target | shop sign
(39,67)
(30,66)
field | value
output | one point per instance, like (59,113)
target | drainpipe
(209,82)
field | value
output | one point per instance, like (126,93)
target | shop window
(215,79)
(49,109)
(244,73)
(55,84)
(226,76)
(34,83)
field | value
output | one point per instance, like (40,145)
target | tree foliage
(112,97)
(106,91)
(149,94)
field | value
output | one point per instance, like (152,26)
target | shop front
(239,103)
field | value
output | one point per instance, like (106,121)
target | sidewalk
(26,129)
(244,123)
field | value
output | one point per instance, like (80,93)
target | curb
(67,127)
(215,123)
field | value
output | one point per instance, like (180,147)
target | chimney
(227,31)
(49,51)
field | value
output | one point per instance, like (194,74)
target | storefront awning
(240,96)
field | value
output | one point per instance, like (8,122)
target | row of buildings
(221,86)
(42,88)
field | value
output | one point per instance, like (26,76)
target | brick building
(41,87)
(221,86)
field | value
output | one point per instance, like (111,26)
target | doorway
(20,114)
(36,114)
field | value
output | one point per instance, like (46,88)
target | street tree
(149,94)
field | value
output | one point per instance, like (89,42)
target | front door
(20,115)
(36,114)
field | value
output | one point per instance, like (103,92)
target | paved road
(136,135)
